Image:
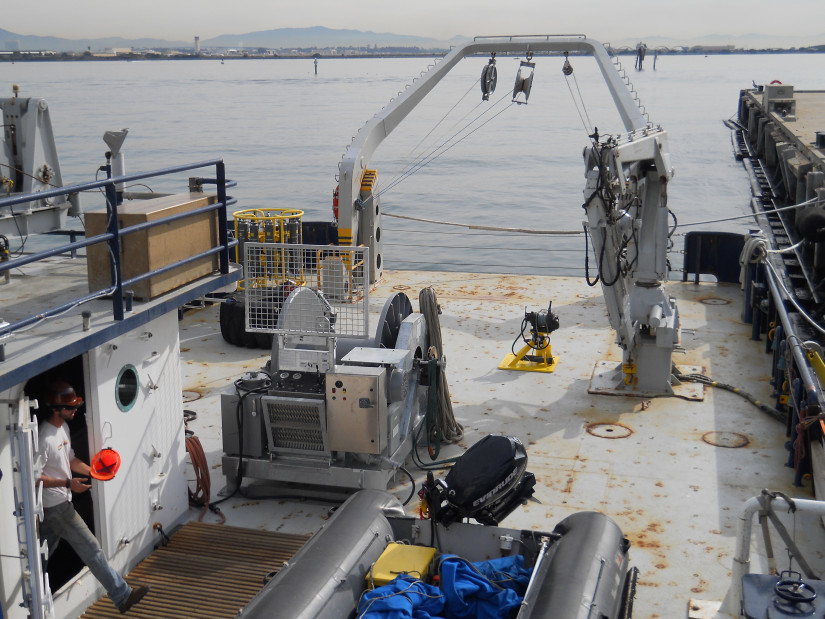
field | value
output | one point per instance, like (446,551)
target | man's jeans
(63,522)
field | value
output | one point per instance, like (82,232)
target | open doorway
(64,564)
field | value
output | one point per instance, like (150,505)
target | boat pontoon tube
(326,577)
(587,571)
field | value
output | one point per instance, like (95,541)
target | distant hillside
(320,36)
(271,39)
(25,42)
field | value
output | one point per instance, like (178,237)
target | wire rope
(443,148)
(410,159)
(584,107)
(489,228)
(576,104)
(434,152)
(773,210)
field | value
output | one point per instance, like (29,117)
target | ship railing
(119,289)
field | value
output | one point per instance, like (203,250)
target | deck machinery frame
(625,202)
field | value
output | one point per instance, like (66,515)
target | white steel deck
(655,466)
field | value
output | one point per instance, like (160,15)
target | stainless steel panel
(357,409)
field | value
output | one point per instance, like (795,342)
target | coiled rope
(450,430)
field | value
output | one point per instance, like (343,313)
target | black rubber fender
(810,224)
(229,312)
(233,327)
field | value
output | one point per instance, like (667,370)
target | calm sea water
(282,130)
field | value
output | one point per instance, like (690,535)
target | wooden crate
(156,247)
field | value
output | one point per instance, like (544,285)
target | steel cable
(412,160)
(446,146)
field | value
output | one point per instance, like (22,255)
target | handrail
(69,189)
(114,233)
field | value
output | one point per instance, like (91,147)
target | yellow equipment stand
(518,363)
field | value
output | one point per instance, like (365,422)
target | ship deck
(672,472)
(810,119)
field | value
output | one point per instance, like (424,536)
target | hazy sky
(441,19)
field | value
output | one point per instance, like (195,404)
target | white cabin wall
(11,586)
(151,485)
(17,562)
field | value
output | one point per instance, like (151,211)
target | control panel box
(357,409)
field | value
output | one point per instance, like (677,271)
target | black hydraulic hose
(587,259)
(706,380)
(412,481)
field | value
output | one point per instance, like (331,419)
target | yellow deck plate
(509,363)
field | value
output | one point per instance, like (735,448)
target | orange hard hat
(105,464)
(62,393)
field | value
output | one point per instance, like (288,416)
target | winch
(333,406)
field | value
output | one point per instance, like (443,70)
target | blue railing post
(220,175)
(113,228)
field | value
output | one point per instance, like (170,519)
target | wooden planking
(206,570)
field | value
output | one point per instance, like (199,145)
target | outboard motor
(487,483)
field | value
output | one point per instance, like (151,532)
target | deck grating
(206,570)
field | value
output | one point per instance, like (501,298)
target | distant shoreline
(28,56)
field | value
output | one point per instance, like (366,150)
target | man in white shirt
(60,520)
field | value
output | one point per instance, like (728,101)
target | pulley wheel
(795,591)
(489,78)
(396,309)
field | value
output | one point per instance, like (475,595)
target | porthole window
(126,389)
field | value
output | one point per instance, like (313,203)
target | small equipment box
(147,250)
(400,559)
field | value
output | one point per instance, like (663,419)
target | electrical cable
(756,250)
(587,259)
(200,496)
(239,420)
(601,262)
(412,481)
(432,466)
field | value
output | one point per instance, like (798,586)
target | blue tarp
(483,590)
